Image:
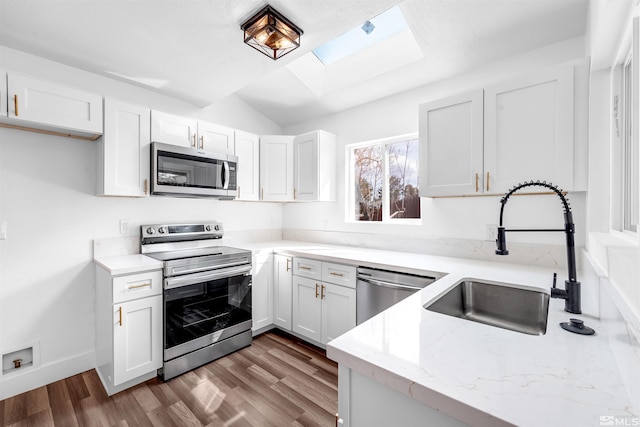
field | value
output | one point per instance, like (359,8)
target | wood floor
(277,381)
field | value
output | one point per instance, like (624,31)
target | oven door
(204,308)
(184,171)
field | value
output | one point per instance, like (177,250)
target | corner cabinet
(248,153)
(123,151)
(52,108)
(128,328)
(276,168)
(323,309)
(315,166)
(488,140)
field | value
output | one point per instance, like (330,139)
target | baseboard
(18,383)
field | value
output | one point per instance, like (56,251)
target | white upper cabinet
(276,168)
(3,93)
(123,153)
(174,130)
(451,145)
(487,141)
(315,166)
(248,153)
(216,138)
(192,133)
(528,131)
(34,103)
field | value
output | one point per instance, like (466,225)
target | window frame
(350,182)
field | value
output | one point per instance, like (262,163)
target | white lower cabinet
(128,328)
(282,290)
(262,291)
(322,310)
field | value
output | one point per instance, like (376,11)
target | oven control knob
(208,228)
(150,230)
(161,230)
(217,227)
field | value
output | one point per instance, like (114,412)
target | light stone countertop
(479,374)
(118,265)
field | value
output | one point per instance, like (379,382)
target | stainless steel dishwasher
(377,290)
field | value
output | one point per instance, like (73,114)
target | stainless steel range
(207,294)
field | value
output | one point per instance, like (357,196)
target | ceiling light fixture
(271,33)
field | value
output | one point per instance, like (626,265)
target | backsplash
(552,256)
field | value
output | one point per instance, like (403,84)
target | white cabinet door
(124,150)
(3,93)
(216,138)
(338,310)
(451,139)
(529,125)
(137,338)
(53,106)
(174,130)
(315,166)
(262,292)
(276,168)
(282,291)
(307,308)
(248,153)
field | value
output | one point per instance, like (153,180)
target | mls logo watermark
(613,420)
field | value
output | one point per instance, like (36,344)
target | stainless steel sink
(496,304)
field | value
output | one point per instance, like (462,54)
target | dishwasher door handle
(389,284)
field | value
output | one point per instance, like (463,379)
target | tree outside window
(385,180)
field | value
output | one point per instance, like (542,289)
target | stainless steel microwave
(190,172)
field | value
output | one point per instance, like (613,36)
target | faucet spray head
(501,242)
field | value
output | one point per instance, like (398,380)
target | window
(384,181)
(629,150)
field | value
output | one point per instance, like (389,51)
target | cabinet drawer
(134,286)
(306,267)
(339,274)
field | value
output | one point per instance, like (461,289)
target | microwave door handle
(225,175)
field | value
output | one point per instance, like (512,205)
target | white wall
(47,198)
(454,218)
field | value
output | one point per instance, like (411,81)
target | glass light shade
(271,33)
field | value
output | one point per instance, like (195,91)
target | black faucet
(571,292)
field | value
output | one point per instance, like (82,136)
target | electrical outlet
(125,226)
(491,232)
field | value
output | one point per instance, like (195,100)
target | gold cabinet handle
(194,141)
(322,295)
(146,186)
(238,192)
(333,273)
(202,142)
(120,321)
(477,181)
(15,104)
(288,264)
(304,267)
(316,290)
(143,285)
(262,193)
(294,194)
(488,180)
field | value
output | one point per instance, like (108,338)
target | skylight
(367,34)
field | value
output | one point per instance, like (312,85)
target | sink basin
(496,304)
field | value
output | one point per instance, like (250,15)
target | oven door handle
(190,279)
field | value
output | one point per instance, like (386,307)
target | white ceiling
(193,49)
